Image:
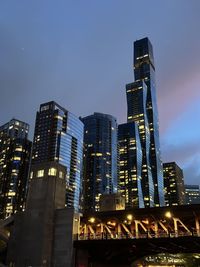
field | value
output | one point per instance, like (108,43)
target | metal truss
(130,228)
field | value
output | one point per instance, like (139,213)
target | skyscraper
(192,194)
(100,158)
(142,109)
(15,150)
(174,184)
(58,138)
(130,165)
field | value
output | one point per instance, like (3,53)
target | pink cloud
(175,97)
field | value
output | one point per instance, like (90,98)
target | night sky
(79,53)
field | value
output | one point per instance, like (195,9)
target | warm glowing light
(197,256)
(92,220)
(111,223)
(129,217)
(168,214)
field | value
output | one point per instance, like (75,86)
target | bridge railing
(107,236)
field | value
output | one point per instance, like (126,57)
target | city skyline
(41,64)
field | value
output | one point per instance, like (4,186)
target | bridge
(118,238)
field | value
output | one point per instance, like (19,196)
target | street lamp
(168,214)
(129,217)
(92,220)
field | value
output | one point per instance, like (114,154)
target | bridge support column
(156,228)
(175,226)
(197,226)
(137,224)
(119,230)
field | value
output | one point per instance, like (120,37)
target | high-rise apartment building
(192,194)
(130,165)
(174,184)
(15,150)
(58,138)
(142,109)
(100,158)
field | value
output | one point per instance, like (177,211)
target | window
(40,173)
(17,158)
(18,149)
(61,175)
(44,108)
(52,172)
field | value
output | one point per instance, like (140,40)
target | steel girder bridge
(117,238)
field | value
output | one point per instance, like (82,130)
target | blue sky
(79,53)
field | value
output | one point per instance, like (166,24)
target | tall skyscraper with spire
(142,109)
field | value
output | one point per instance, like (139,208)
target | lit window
(61,175)
(40,173)
(18,149)
(58,117)
(17,158)
(52,172)
(11,194)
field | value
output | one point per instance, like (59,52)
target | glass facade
(130,165)
(137,98)
(174,184)
(59,137)
(15,150)
(100,158)
(142,108)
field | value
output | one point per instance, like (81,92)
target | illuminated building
(58,138)
(109,202)
(174,184)
(192,194)
(15,149)
(142,108)
(130,165)
(100,158)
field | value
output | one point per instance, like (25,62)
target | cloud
(180,142)
(192,171)
(174,104)
(181,152)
